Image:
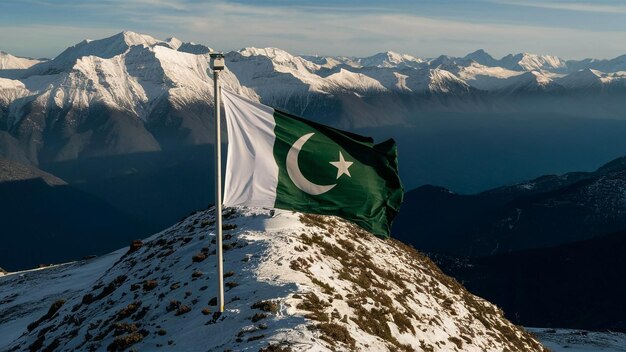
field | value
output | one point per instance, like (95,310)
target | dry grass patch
(325,287)
(198,257)
(149,285)
(320,221)
(229,274)
(276,348)
(227,227)
(266,306)
(183,309)
(196,274)
(316,307)
(402,322)
(258,316)
(52,311)
(333,333)
(124,328)
(457,341)
(134,246)
(123,342)
(128,310)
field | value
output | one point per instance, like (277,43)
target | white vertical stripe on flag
(251,170)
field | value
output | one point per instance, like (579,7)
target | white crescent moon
(296,176)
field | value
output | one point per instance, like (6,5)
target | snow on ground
(296,282)
(32,291)
(567,340)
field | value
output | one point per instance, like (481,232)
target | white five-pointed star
(342,166)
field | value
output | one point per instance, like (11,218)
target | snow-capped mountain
(293,282)
(8,61)
(487,78)
(585,78)
(141,94)
(136,92)
(387,59)
(613,65)
(531,62)
(449,63)
(274,73)
(531,81)
(390,59)
(589,78)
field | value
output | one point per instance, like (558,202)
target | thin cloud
(593,7)
(366,33)
(227,26)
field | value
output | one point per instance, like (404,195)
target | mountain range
(133,93)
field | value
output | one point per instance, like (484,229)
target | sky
(572,29)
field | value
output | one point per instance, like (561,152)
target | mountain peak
(397,57)
(532,79)
(132,38)
(193,48)
(590,71)
(480,52)
(351,81)
(174,43)
(278,56)
(104,48)
(482,57)
(529,62)
(389,59)
(584,78)
(270,52)
(291,280)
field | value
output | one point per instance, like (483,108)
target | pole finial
(217,61)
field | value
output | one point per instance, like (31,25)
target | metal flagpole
(217,64)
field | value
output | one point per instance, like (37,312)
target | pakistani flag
(283,161)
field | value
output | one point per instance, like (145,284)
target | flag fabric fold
(279,160)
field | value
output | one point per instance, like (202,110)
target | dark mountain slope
(156,188)
(577,285)
(14,171)
(547,211)
(43,224)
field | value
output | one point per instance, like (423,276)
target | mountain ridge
(546,211)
